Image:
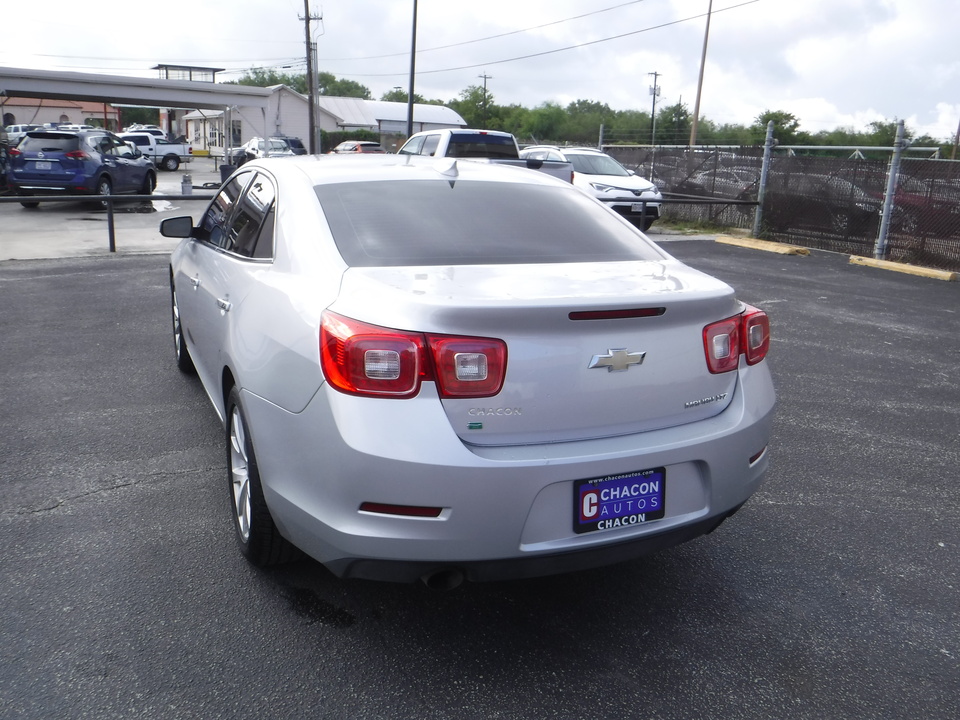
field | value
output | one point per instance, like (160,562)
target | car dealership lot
(833,593)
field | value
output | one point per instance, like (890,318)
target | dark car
(81,162)
(296,144)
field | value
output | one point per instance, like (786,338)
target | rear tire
(260,541)
(30,203)
(171,163)
(104,187)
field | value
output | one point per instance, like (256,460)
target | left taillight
(746,334)
(372,361)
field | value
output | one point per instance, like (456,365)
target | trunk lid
(566,378)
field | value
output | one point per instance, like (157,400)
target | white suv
(600,175)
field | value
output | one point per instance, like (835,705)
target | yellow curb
(765,245)
(901,267)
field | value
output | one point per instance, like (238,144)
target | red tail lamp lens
(747,334)
(362,359)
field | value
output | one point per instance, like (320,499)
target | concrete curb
(901,267)
(764,245)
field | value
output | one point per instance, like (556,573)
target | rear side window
(250,232)
(434,222)
(40,142)
(213,224)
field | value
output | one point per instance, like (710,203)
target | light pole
(413,68)
(485,78)
(655,92)
(703,61)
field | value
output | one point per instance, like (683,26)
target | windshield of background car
(49,142)
(596,165)
(438,222)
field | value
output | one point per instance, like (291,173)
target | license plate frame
(638,207)
(616,501)
(42,165)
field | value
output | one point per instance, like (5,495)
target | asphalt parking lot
(832,594)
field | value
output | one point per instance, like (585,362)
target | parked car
(152,129)
(48,162)
(440,371)
(491,146)
(607,180)
(819,202)
(165,154)
(258,147)
(295,144)
(16,132)
(357,146)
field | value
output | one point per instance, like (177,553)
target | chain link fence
(826,203)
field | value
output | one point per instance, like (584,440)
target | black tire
(30,204)
(184,361)
(260,541)
(149,184)
(647,222)
(104,187)
(170,162)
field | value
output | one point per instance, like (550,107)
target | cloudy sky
(832,63)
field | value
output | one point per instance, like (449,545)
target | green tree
(673,125)
(266,77)
(329,84)
(544,123)
(477,108)
(786,127)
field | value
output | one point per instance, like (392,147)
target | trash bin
(186,184)
(225,172)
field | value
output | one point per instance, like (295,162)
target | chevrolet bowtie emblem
(617,360)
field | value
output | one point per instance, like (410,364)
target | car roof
(324,169)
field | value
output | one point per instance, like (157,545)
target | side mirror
(177,227)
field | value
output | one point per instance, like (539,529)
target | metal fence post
(110,228)
(768,146)
(880,249)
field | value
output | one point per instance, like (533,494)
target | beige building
(34,111)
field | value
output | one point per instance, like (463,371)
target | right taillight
(746,334)
(362,359)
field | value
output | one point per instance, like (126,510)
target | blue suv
(80,162)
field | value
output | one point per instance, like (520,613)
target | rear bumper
(507,512)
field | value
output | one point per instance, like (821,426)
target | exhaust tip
(447,579)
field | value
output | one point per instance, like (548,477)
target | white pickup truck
(490,145)
(165,154)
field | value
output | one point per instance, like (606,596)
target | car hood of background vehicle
(628,182)
(549,354)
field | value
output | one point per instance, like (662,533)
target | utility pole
(413,71)
(311,77)
(703,61)
(485,78)
(655,92)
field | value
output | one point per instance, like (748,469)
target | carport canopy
(119,89)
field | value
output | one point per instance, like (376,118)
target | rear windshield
(466,145)
(43,142)
(436,222)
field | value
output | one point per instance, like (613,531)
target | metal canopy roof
(149,92)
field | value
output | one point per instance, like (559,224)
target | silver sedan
(446,370)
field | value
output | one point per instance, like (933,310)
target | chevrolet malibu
(446,370)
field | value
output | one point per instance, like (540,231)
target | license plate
(637,207)
(42,165)
(618,500)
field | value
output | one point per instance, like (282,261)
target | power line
(557,50)
(490,37)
